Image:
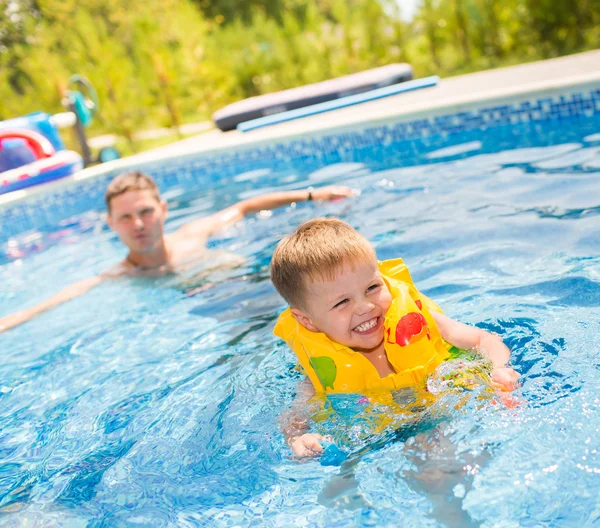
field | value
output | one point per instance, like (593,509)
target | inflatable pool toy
(413,343)
(31,149)
(268,104)
(37,143)
(332,455)
(28,158)
(342,102)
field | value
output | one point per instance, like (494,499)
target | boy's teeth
(367,325)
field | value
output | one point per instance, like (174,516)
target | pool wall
(42,209)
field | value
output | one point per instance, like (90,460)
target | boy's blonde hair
(130,181)
(317,250)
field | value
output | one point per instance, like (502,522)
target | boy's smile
(349,309)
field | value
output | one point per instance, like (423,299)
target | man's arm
(209,225)
(70,292)
(488,345)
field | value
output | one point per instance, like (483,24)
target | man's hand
(307,445)
(332,192)
(505,378)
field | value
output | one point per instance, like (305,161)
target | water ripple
(158,402)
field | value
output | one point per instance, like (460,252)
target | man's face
(350,309)
(138,218)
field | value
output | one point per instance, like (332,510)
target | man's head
(130,181)
(328,273)
(135,211)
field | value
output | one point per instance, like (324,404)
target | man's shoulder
(198,227)
(118,270)
(185,241)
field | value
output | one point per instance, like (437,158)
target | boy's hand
(505,378)
(307,445)
(332,192)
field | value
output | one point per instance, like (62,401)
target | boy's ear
(304,319)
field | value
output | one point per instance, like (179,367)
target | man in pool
(340,298)
(137,214)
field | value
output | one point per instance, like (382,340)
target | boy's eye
(146,211)
(341,303)
(373,287)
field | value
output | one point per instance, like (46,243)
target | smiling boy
(330,276)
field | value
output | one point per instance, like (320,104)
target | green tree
(164,62)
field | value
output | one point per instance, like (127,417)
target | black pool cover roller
(254,107)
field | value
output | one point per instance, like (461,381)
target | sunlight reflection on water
(143,403)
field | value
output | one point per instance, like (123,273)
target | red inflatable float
(39,145)
(32,160)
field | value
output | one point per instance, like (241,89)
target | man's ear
(109,220)
(164,207)
(304,320)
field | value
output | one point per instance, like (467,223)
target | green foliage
(165,62)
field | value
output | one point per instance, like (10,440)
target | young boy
(339,302)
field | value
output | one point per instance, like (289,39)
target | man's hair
(130,181)
(316,251)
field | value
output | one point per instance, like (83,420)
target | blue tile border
(46,211)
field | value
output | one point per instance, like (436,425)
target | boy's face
(350,309)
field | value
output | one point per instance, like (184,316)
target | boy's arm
(209,225)
(295,423)
(70,292)
(490,346)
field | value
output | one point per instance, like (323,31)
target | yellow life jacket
(413,343)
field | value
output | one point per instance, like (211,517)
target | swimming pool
(143,404)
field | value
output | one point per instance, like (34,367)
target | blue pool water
(144,404)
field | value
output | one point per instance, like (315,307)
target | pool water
(156,402)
